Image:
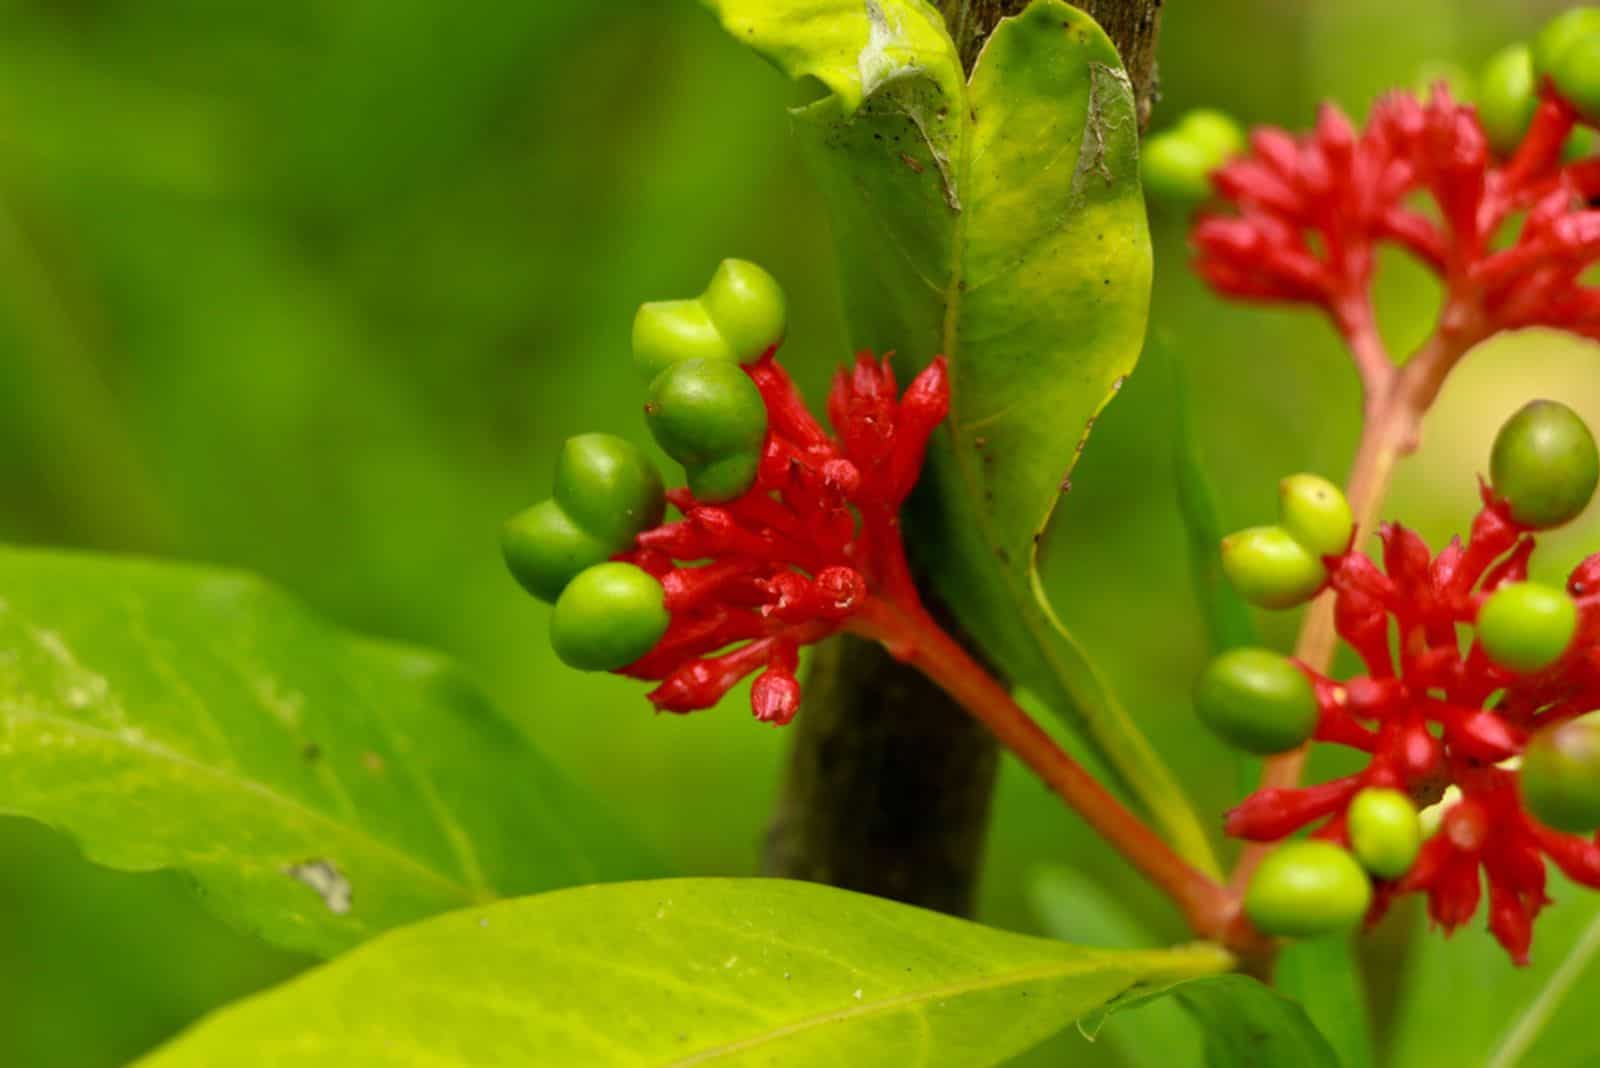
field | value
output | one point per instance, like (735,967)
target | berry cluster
(1305,215)
(785,533)
(1493,737)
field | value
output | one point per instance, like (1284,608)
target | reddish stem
(915,638)
(1396,400)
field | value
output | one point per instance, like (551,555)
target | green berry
(1174,169)
(544,549)
(669,331)
(1307,888)
(748,307)
(724,479)
(741,314)
(1526,626)
(1507,97)
(1270,568)
(1214,133)
(1257,700)
(1315,513)
(609,488)
(1576,73)
(1560,34)
(1544,464)
(703,412)
(1561,775)
(1385,831)
(608,617)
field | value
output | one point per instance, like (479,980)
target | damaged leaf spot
(327,880)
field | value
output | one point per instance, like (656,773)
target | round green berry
(1174,168)
(1257,700)
(1507,97)
(608,617)
(724,479)
(1544,464)
(1270,568)
(748,307)
(1385,831)
(1561,775)
(1576,73)
(669,331)
(705,411)
(1526,626)
(1214,133)
(1560,34)
(1307,888)
(1315,513)
(544,549)
(609,488)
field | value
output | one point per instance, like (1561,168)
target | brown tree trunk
(889,781)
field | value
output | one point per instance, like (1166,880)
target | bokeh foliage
(315,289)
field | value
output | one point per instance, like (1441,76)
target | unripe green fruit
(1257,700)
(741,314)
(1214,133)
(1559,35)
(1561,775)
(1507,97)
(1177,164)
(609,488)
(544,549)
(608,617)
(1526,626)
(1309,888)
(1315,513)
(668,331)
(1270,568)
(724,479)
(1385,831)
(1544,464)
(1173,168)
(748,306)
(1576,73)
(705,412)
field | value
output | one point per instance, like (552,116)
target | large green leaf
(681,972)
(319,788)
(999,222)
(1324,977)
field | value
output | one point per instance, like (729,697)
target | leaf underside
(683,972)
(317,787)
(998,221)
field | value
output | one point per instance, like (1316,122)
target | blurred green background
(315,288)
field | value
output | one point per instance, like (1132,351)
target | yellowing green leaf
(683,972)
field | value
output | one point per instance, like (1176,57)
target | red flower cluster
(1440,718)
(798,554)
(1311,211)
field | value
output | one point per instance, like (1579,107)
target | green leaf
(1248,1025)
(998,222)
(318,788)
(1322,975)
(1074,908)
(681,972)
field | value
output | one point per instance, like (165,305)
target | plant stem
(914,638)
(1396,400)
